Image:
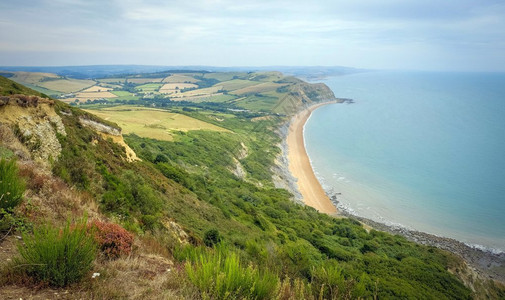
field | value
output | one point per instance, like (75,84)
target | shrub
(211,237)
(112,239)
(57,256)
(12,186)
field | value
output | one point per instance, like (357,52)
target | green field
(43,90)
(236,84)
(67,85)
(257,103)
(216,98)
(112,80)
(225,76)
(259,88)
(149,87)
(122,93)
(152,123)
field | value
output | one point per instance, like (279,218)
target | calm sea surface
(421,150)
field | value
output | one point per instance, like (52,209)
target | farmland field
(52,83)
(179,78)
(169,88)
(219,97)
(200,92)
(112,80)
(152,123)
(67,85)
(121,93)
(259,88)
(236,84)
(149,87)
(256,103)
(97,88)
(95,95)
(144,80)
(223,76)
(32,77)
(43,90)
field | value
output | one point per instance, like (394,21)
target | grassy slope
(9,87)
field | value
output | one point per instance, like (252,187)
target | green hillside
(207,219)
(9,87)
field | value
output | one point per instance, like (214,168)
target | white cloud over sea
(435,35)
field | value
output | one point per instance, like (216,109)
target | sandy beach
(299,164)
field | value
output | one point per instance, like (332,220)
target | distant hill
(98,71)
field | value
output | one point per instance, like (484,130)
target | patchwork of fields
(250,91)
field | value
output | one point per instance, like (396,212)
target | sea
(420,150)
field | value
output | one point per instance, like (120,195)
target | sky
(442,35)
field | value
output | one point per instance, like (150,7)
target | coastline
(295,173)
(312,193)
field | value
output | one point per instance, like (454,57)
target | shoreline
(312,193)
(295,173)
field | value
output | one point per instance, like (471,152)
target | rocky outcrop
(100,127)
(108,131)
(35,124)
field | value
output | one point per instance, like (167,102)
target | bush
(112,239)
(57,256)
(12,186)
(211,237)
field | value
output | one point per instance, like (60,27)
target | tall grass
(12,186)
(221,275)
(57,256)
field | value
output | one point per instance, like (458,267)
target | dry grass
(97,88)
(169,88)
(138,276)
(200,92)
(144,80)
(50,198)
(236,84)
(67,85)
(179,78)
(111,80)
(94,95)
(260,88)
(152,123)
(32,77)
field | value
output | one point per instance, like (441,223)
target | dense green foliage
(12,186)
(57,256)
(211,237)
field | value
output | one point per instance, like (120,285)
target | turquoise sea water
(421,150)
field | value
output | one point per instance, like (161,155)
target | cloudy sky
(454,35)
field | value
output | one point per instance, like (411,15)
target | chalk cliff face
(31,127)
(110,132)
(35,124)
